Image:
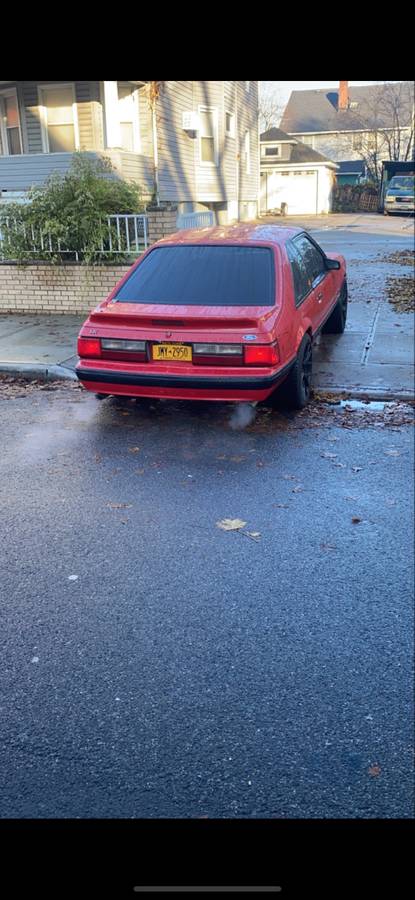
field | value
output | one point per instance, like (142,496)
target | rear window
(203,276)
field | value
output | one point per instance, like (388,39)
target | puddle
(367,405)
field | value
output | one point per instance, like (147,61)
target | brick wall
(161,221)
(47,288)
(69,287)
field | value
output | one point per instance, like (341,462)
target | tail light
(89,347)
(262,355)
(218,354)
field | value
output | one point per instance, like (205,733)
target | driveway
(156,664)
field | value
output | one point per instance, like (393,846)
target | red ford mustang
(216,314)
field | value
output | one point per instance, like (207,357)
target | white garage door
(297,189)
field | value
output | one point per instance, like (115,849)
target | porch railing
(195,220)
(127,235)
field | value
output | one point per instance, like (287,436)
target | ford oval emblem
(249,337)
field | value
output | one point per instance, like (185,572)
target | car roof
(242,233)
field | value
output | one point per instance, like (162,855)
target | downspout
(237,150)
(153,102)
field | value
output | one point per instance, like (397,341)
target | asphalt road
(154,665)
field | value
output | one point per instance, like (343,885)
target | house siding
(175,146)
(182,177)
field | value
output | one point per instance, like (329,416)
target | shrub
(72,210)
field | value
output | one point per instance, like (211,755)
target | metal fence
(196,220)
(127,235)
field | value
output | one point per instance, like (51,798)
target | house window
(229,124)
(59,119)
(128,112)
(208,136)
(272,151)
(10,135)
(247,153)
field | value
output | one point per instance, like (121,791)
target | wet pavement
(156,665)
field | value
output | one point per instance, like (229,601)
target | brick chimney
(343,95)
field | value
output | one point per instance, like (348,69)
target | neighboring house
(353,171)
(294,174)
(353,121)
(194,144)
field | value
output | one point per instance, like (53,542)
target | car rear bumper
(247,387)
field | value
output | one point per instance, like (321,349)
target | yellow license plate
(172,352)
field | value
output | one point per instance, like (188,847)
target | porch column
(112,114)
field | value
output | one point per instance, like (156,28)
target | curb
(40,370)
(53,373)
(350,394)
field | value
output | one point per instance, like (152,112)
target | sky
(283,89)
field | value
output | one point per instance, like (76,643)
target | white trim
(247,149)
(10,92)
(376,128)
(214,111)
(281,166)
(44,118)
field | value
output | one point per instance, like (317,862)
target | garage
(297,189)
(294,174)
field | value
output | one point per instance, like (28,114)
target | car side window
(299,273)
(312,258)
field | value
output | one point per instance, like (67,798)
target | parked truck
(392,169)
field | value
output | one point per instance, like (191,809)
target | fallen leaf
(374,770)
(260,464)
(392,453)
(139,471)
(222,456)
(124,412)
(237,459)
(329,455)
(290,477)
(252,534)
(356,519)
(231,524)
(356,468)
(73,577)
(340,465)
(281,505)
(133,449)
(350,498)
(119,505)
(391,503)
(297,490)
(328,547)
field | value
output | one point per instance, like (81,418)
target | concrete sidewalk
(374,357)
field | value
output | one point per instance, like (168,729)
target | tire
(295,392)
(336,322)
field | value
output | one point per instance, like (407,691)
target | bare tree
(270,106)
(382,127)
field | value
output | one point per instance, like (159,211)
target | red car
(223,313)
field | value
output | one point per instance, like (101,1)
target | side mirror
(332,263)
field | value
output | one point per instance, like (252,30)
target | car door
(318,279)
